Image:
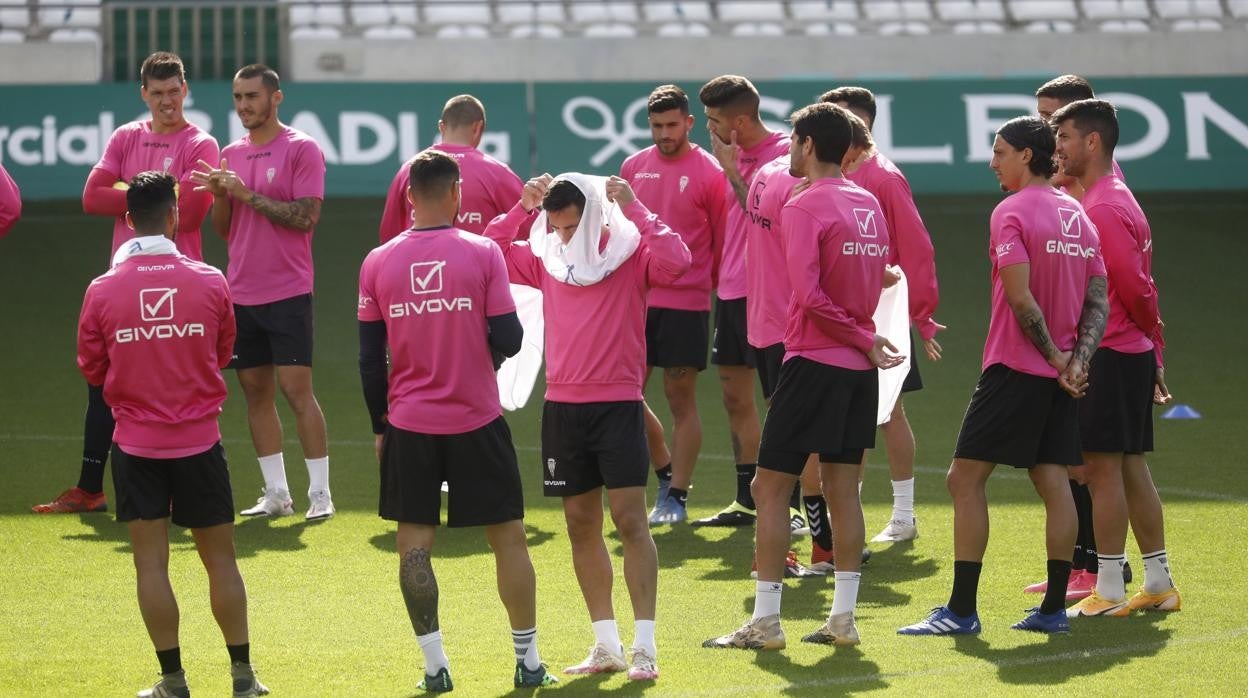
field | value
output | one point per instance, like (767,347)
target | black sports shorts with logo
(1018,419)
(593,444)
(821,409)
(729,346)
(769,360)
(193,491)
(1116,414)
(277,333)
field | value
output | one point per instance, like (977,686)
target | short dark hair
(149,199)
(562,194)
(859,98)
(431,174)
(1034,133)
(732,93)
(1066,89)
(268,76)
(862,133)
(462,110)
(161,65)
(828,126)
(1091,115)
(666,98)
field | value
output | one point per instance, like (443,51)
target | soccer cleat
(839,630)
(74,501)
(797,523)
(1081,584)
(1168,600)
(793,568)
(274,502)
(246,685)
(665,485)
(643,667)
(1037,622)
(1040,587)
(757,634)
(322,507)
(438,683)
(1097,605)
(535,678)
(600,661)
(735,514)
(668,510)
(942,621)
(169,686)
(821,559)
(898,530)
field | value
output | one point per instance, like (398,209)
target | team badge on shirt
(684,182)
(167,164)
(270,174)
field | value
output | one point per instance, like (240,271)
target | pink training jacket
(767,279)
(10,202)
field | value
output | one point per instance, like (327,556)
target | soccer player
(911,249)
(1048,314)
(155,332)
(826,397)
(684,186)
(440,415)
(267,208)
(166,142)
(593,432)
(489,187)
(1125,375)
(10,202)
(742,144)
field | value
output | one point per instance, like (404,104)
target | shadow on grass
(251,536)
(846,670)
(460,542)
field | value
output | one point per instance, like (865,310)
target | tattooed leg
(416,579)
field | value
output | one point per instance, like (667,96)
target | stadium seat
(1126,26)
(463,31)
(531,13)
(678,29)
(1042,10)
(75,35)
(1184,9)
(603,13)
(757,29)
(389,31)
(897,10)
(981,27)
(70,14)
(11,36)
(661,12)
(535,31)
(611,30)
(312,31)
(823,11)
(14,17)
(735,11)
(1116,10)
(904,29)
(1196,24)
(317,14)
(970,10)
(1049,27)
(1238,8)
(381,14)
(831,29)
(465,12)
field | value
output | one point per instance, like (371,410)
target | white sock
(860,489)
(435,656)
(644,637)
(1157,572)
(903,500)
(1109,582)
(318,474)
(273,469)
(608,635)
(525,642)
(767,599)
(845,596)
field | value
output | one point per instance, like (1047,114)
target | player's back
(768,288)
(489,187)
(1127,245)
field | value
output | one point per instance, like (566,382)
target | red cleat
(74,501)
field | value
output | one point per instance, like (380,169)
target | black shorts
(913,380)
(676,338)
(821,409)
(277,333)
(769,360)
(479,468)
(1021,420)
(193,491)
(593,444)
(1116,415)
(729,346)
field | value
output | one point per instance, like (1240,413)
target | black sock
(1087,536)
(679,495)
(240,653)
(1055,596)
(817,519)
(965,587)
(170,660)
(745,475)
(97,438)
(665,473)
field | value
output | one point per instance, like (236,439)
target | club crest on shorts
(684,182)
(270,174)
(550,466)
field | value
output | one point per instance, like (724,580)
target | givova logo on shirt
(866,220)
(1071,222)
(156,306)
(426,279)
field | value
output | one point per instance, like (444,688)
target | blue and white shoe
(942,621)
(664,486)
(668,510)
(1038,622)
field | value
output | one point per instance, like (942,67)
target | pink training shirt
(135,148)
(1127,247)
(595,335)
(911,244)
(489,188)
(269,262)
(836,247)
(434,289)
(687,193)
(767,279)
(10,202)
(155,331)
(1042,227)
(732,284)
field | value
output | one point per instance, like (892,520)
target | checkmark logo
(1072,226)
(156,304)
(866,222)
(427,277)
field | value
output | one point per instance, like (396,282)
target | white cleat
(897,531)
(322,506)
(274,502)
(600,661)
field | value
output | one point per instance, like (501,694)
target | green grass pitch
(327,618)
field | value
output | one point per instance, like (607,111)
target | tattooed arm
(1016,281)
(1074,377)
(300,214)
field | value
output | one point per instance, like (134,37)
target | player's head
(257,92)
(670,120)
(152,204)
(860,145)
(731,104)
(1059,92)
(1087,133)
(162,84)
(564,203)
(858,100)
(433,184)
(822,134)
(463,121)
(1023,151)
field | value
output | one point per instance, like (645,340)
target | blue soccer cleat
(942,621)
(1038,622)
